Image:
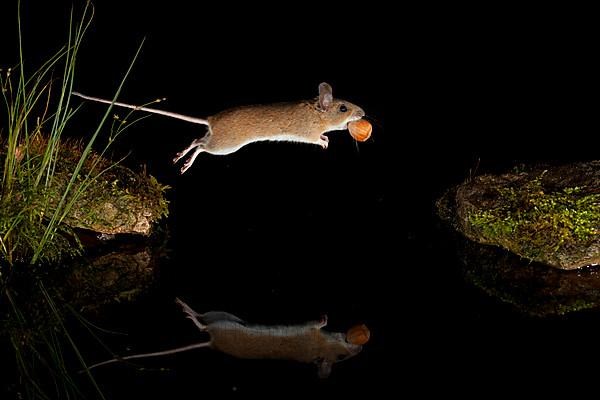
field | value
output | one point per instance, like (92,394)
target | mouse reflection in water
(307,343)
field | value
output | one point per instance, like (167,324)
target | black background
(283,232)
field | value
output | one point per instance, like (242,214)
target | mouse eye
(341,357)
(343,108)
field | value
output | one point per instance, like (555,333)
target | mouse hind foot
(190,161)
(198,145)
(192,315)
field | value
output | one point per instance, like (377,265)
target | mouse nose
(360,113)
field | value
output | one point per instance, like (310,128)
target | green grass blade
(65,205)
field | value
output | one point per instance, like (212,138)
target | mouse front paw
(322,322)
(323,142)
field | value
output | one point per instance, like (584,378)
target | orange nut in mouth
(358,334)
(360,130)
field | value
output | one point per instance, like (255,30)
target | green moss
(538,220)
(111,199)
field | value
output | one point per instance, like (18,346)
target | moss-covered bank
(116,200)
(550,215)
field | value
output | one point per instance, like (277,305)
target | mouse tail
(155,354)
(182,117)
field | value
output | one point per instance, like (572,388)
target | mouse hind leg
(192,315)
(198,145)
(192,158)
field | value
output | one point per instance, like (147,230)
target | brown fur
(301,122)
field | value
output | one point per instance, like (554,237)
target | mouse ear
(325,95)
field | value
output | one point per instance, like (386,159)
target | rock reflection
(532,288)
(40,312)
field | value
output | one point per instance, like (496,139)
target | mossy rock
(546,214)
(117,200)
(121,201)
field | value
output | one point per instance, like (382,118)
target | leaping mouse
(304,121)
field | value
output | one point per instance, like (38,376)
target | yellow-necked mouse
(303,121)
(306,343)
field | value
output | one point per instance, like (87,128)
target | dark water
(282,233)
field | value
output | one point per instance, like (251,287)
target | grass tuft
(37,193)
